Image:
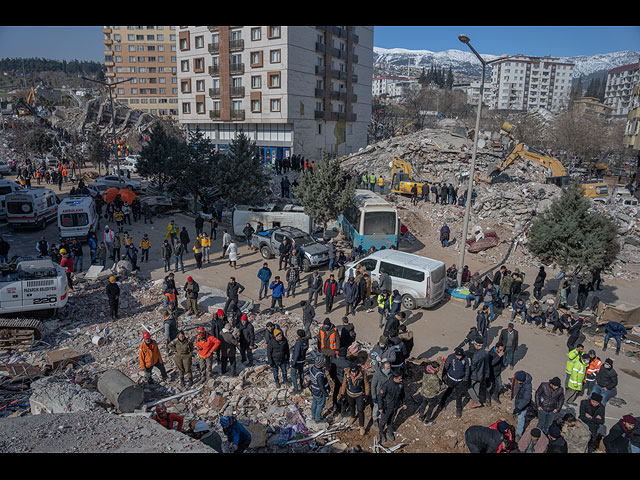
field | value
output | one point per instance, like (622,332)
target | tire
(408,302)
(306,266)
(265,251)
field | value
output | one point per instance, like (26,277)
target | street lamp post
(467,205)
(113,117)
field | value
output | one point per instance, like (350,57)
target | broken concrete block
(56,395)
(61,358)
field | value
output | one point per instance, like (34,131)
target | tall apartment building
(619,89)
(385,85)
(292,89)
(526,83)
(147,55)
(632,131)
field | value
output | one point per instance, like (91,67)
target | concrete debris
(57,395)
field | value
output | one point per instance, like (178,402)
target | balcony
(319,93)
(213,29)
(214,114)
(320,47)
(237,91)
(214,70)
(236,45)
(321,70)
(237,114)
(214,92)
(318,114)
(214,48)
(236,68)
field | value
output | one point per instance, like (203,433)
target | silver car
(120,182)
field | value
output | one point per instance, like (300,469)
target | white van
(7,186)
(31,207)
(271,216)
(76,216)
(420,280)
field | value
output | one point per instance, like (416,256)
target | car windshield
(304,240)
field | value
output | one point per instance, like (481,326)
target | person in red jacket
(67,263)
(330,290)
(205,345)
(170,421)
(509,434)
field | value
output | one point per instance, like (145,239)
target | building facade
(619,89)
(632,131)
(525,83)
(146,55)
(292,89)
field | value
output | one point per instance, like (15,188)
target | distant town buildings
(619,89)
(632,130)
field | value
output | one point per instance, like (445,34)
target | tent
(126,195)
(627,315)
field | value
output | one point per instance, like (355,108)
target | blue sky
(85,43)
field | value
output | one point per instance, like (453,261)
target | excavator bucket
(493,170)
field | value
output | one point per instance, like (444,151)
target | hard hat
(225,421)
(161,408)
(146,335)
(62,250)
(199,426)
(112,279)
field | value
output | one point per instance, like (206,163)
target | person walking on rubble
(278,356)
(182,348)
(205,345)
(149,356)
(113,293)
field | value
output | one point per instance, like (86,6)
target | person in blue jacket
(264,274)
(615,330)
(277,292)
(238,436)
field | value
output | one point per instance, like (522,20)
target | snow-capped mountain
(465,62)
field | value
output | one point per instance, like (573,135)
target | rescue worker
(372,181)
(191,290)
(206,344)
(592,370)
(149,356)
(182,347)
(577,379)
(431,389)
(170,421)
(384,306)
(238,436)
(172,231)
(381,184)
(328,342)
(113,293)
(170,325)
(67,264)
(145,244)
(391,397)
(356,391)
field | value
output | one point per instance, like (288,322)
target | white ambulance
(76,216)
(32,207)
(7,186)
(28,284)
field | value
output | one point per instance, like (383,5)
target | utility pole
(111,86)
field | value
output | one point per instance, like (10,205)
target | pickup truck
(268,242)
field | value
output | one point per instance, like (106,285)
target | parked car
(268,242)
(5,168)
(97,187)
(120,182)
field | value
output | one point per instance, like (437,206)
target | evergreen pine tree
(325,193)
(570,235)
(159,156)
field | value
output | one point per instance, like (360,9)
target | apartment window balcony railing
(354,58)
(214,92)
(214,48)
(340,32)
(213,29)
(236,68)
(320,70)
(318,114)
(214,114)
(237,114)
(339,74)
(335,95)
(321,27)
(236,45)
(319,93)
(355,38)
(214,70)
(354,78)
(237,91)
(335,116)
(320,47)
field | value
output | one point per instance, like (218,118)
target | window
(255,105)
(184,65)
(74,219)
(184,44)
(369,263)
(199,41)
(256,33)
(275,56)
(274,32)
(274,80)
(379,223)
(186,107)
(199,85)
(256,59)
(185,86)
(198,64)
(200,107)
(256,81)
(275,105)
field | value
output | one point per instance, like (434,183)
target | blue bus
(370,221)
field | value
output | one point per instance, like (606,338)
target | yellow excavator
(28,106)
(401,178)
(558,175)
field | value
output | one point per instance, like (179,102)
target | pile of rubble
(278,418)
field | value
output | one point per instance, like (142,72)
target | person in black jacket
(592,414)
(337,368)
(278,356)
(392,325)
(478,374)
(234,289)
(455,374)
(606,381)
(481,439)
(538,283)
(557,444)
(347,333)
(619,436)
(184,239)
(113,293)
(285,252)
(391,397)
(496,366)
(247,340)
(298,359)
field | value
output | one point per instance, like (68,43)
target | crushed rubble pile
(275,416)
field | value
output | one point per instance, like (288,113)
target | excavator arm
(522,151)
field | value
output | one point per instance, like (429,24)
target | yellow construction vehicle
(404,129)
(401,178)
(558,175)
(28,106)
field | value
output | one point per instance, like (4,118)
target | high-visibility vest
(205,241)
(364,178)
(576,380)
(332,339)
(108,236)
(372,178)
(381,302)
(127,241)
(171,297)
(145,244)
(380,182)
(593,368)
(573,358)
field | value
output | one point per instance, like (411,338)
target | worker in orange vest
(171,421)
(149,355)
(328,341)
(64,174)
(592,370)
(206,344)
